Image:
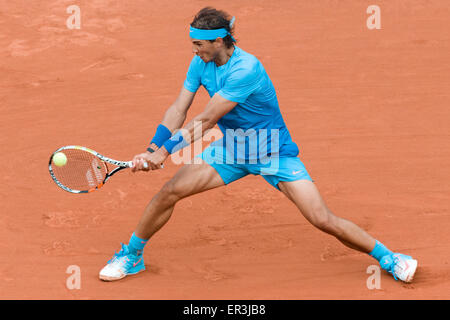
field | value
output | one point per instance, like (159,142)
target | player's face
(205,49)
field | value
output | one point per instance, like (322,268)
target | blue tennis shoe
(123,263)
(401,266)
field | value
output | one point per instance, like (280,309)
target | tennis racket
(85,170)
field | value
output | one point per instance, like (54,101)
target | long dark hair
(209,19)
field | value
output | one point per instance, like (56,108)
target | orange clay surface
(369,109)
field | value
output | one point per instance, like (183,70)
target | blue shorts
(273,171)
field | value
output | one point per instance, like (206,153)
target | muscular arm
(176,114)
(216,108)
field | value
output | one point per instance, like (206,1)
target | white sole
(109,279)
(106,278)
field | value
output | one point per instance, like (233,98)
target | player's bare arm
(216,108)
(176,114)
(173,119)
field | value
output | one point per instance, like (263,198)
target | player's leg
(290,176)
(211,172)
(307,198)
(189,180)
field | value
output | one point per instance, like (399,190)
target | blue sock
(136,245)
(380,251)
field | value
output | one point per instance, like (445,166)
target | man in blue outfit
(255,141)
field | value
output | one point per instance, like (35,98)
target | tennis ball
(59,159)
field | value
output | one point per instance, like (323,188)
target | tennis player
(244,106)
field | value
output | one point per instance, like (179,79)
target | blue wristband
(161,135)
(175,143)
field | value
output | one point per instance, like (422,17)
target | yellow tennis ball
(59,159)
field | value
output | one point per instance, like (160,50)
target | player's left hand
(154,160)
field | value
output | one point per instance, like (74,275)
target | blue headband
(203,34)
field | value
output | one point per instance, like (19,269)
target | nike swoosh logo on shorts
(295,172)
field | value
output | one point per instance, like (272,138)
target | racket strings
(82,171)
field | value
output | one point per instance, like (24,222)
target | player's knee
(323,219)
(171,192)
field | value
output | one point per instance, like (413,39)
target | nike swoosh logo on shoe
(407,265)
(135,264)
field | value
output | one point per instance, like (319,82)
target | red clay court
(369,110)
